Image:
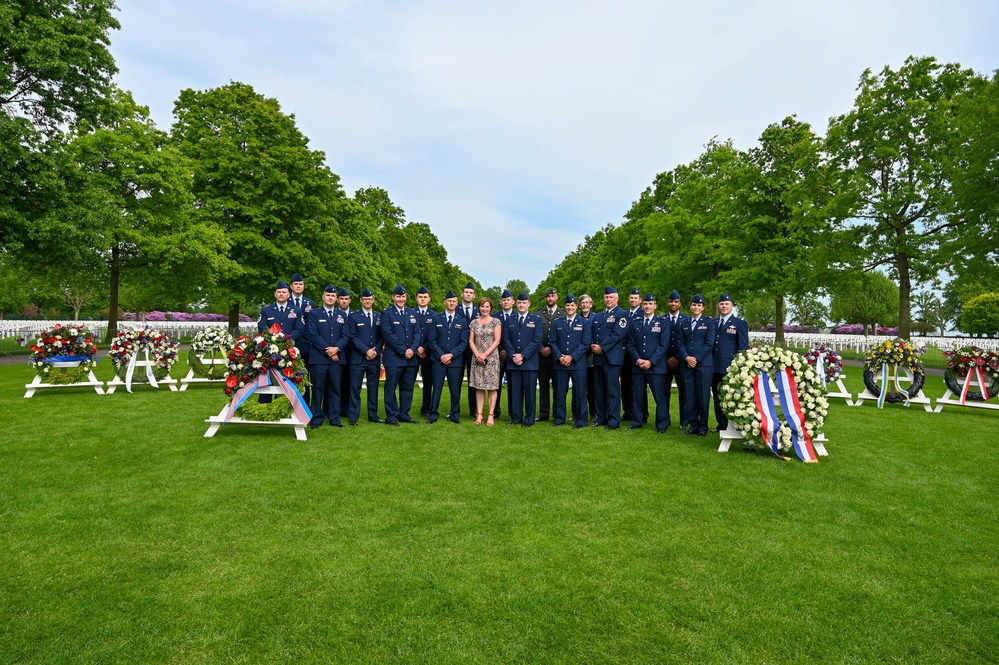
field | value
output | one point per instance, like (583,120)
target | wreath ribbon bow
(967,384)
(300,408)
(787,392)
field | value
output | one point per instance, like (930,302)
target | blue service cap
(329,289)
(450,294)
(674,295)
(281,285)
(569,298)
(343,292)
(506,294)
(367,293)
(649,298)
(297,277)
(399,290)
(724,298)
(470,286)
(610,289)
(423,289)
(635,292)
(698,299)
(523,296)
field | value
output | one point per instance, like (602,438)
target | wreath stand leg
(841,392)
(140,366)
(91,381)
(215,422)
(948,399)
(731,434)
(920,397)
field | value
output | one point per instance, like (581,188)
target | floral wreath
(69,343)
(969,363)
(127,343)
(213,342)
(832,364)
(893,353)
(738,395)
(253,355)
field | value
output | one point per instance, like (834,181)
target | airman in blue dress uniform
(609,330)
(326,332)
(634,312)
(364,330)
(732,337)
(343,298)
(470,311)
(426,361)
(521,338)
(284,314)
(304,306)
(506,310)
(648,344)
(403,335)
(675,361)
(698,347)
(570,340)
(447,341)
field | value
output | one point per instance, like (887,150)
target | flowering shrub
(790,328)
(183,317)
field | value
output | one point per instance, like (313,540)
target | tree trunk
(113,308)
(234,320)
(904,295)
(779,320)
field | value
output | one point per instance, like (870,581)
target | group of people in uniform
(612,359)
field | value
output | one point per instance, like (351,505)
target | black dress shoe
(513,423)
(315,425)
(456,421)
(594,425)
(431,422)
(611,426)
(353,423)
(336,424)
(702,434)
(634,427)
(690,432)
(557,424)
(527,424)
(542,419)
(375,420)
(713,429)
(661,431)
(578,426)
(391,423)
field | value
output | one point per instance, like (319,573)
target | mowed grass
(126,536)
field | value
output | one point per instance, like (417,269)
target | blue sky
(516,129)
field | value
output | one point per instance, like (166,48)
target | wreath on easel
(886,358)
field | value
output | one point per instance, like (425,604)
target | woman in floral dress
(484,340)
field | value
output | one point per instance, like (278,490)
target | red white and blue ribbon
(298,405)
(967,384)
(787,391)
(764,398)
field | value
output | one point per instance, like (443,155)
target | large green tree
(55,69)
(134,203)
(869,298)
(257,180)
(775,195)
(897,153)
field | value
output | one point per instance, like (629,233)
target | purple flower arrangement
(790,329)
(858,329)
(183,317)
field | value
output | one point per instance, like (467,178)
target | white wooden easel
(215,422)
(920,397)
(91,381)
(731,434)
(840,391)
(191,378)
(141,365)
(949,398)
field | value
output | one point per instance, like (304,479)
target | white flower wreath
(738,400)
(212,342)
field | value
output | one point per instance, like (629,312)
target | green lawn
(126,536)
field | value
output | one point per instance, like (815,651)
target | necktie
(647,319)
(724,321)
(468,313)
(281,309)
(521,321)
(449,317)
(298,303)
(370,321)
